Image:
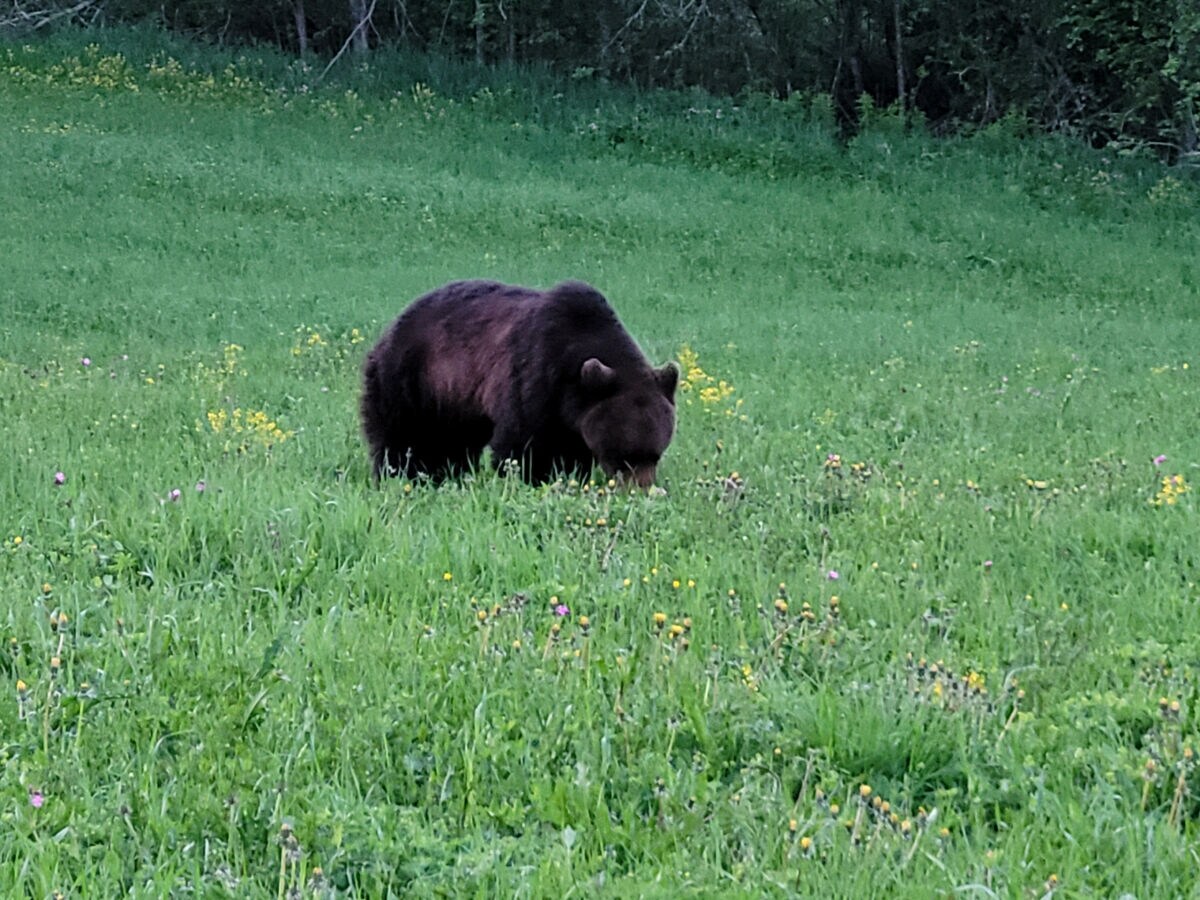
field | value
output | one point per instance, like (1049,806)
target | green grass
(996,337)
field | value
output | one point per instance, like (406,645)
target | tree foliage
(1107,70)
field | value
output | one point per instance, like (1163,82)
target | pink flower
(562,610)
(86,361)
(60,478)
(174,495)
(1160,459)
(36,798)
(832,575)
(987,564)
(201,486)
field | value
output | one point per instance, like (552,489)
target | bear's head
(629,418)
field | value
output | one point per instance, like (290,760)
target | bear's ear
(668,379)
(596,376)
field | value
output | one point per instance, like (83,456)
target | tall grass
(951,371)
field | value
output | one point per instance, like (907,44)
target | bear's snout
(638,476)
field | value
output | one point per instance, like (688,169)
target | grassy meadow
(918,612)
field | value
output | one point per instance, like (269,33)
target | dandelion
(60,478)
(446,576)
(1173,487)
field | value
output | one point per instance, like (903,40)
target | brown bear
(549,379)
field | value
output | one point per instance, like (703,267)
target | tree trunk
(359,17)
(512,40)
(901,88)
(301,26)
(479,12)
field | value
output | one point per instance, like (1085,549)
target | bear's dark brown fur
(550,379)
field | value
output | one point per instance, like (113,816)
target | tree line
(1125,71)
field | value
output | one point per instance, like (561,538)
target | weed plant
(917,614)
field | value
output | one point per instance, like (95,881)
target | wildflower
(36,798)
(561,609)
(1160,459)
(60,478)
(584,624)
(1173,487)
(316,881)
(201,487)
(446,576)
(85,362)
(174,495)
(832,575)
(660,619)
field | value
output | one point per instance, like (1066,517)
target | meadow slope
(918,614)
